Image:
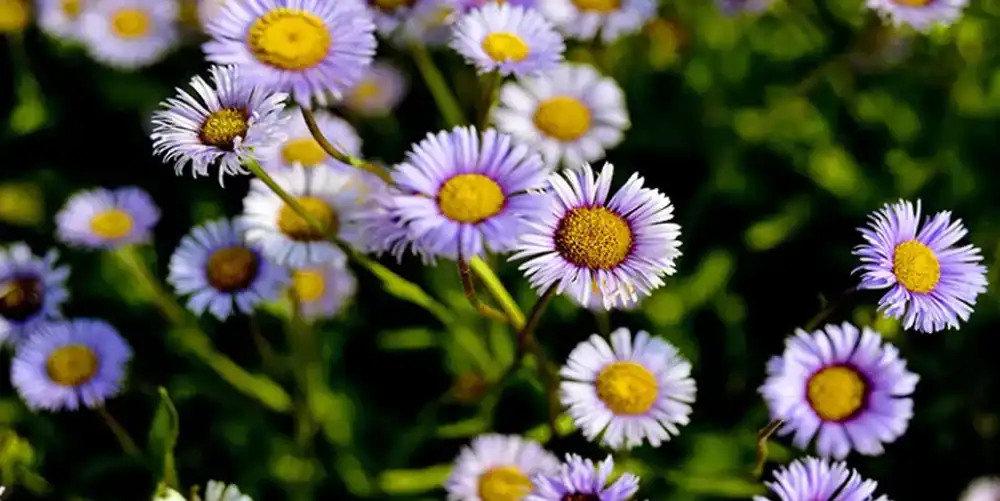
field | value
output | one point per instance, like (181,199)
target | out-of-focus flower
(465,6)
(733,7)
(21,203)
(920,14)
(590,19)
(298,147)
(32,290)
(323,291)
(107,219)
(508,40)
(219,491)
(498,468)
(60,19)
(581,479)
(378,92)
(813,479)
(129,34)
(14,15)
(982,489)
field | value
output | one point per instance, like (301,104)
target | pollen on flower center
(111,224)
(72,365)
(304,150)
(600,6)
(627,388)
(593,237)
(504,46)
(232,269)
(562,117)
(580,497)
(309,285)
(297,228)
(912,3)
(21,298)
(390,6)
(470,198)
(289,39)
(71,8)
(837,393)
(503,483)
(222,127)
(916,267)
(131,23)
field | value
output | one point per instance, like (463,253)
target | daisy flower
(982,489)
(630,391)
(285,236)
(812,479)
(427,22)
(585,19)
(389,14)
(298,147)
(219,124)
(920,14)
(219,491)
(60,19)
(580,479)
(378,92)
(585,244)
(129,34)
(571,114)
(507,39)
(466,6)
(383,228)
(323,291)
(305,48)
(461,194)
(66,365)
(107,219)
(208,10)
(14,15)
(843,384)
(733,7)
(498,468)
(32,289)
(932,282)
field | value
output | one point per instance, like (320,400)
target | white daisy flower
(611,19)
(218,491)
(498,468)
(323,291)
(982,489)
(379,92)
(300,148)
(129,34)
(60,19)
(509,40)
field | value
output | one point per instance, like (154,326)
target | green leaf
(405,290)
(402,482)
(163,436)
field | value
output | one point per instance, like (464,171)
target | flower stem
(498,291)
(762,437)
(829,309)
(490,85)
(128,445)
(470,292)
(338,155)
(445,99)
(526,342)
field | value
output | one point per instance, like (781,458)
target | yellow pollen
(836,393)
(309,285)
(14,15)
(599,6)
(912,3)
(222,127)
(131,23)
(390,6)
(71,8)
(562,117)
(289,39)
(295,227)
(916,267)
(111,224)
(593,237)
(72,365)
(503,46)
(232,269)
(470,198)
(21,298)
(503,483)
(627,388)
(304,150)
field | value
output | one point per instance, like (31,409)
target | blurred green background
(774,135)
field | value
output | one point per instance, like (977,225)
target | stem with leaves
(338,155)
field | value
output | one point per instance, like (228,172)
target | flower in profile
(932,282)
(507,39)
(920,14)
(219,491)
(465,6)
(219,124)
(581,479)
(585,244)
(498,468)
(570,114)
(32,289)
(733,7)
(982,489)
(14,15)
(305,48)
(298,147)
(60,19)
(129,34)
(843,384)
(283,235)
(68,364)
(323,291)
(107,219)
(588,19)
(378,92)
(813,479)
(221,273)
(461,193)
(630,390)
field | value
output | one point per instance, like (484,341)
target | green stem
(446,102)
(470,293)
(490,85)
(340,156)
(762,437)
(128,445)
(829,309)
(526,342)
(498,291)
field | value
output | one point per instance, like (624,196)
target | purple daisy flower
(844,384)
(733,7)
(920,14)
(305,48)
(66,365)
(460,194)
(32,289)
(933,284)
(607,20)
(379,92)
(383,230)
(509,40)
(465,6)
(323,291)
(580,479)
(107,219)
(982,489)
(813,479)
(129,34)
(498,468)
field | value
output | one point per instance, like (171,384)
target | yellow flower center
(627,388)
(131,23)
(222,127)
(304,150)
(390,6)
(232,269)
(836,393)
(71,8)
(297,228)
(289,39)
(504,46)
(13,15)
(600,6)
(912,3)
(503,483)
(365,91)
(309,285)
(72,365)
(470,198)
(21,298)
(593,237)
(111,224)
(916,267)
(562,117)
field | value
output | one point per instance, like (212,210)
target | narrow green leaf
(405,290)
(402,482)
(163,434)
